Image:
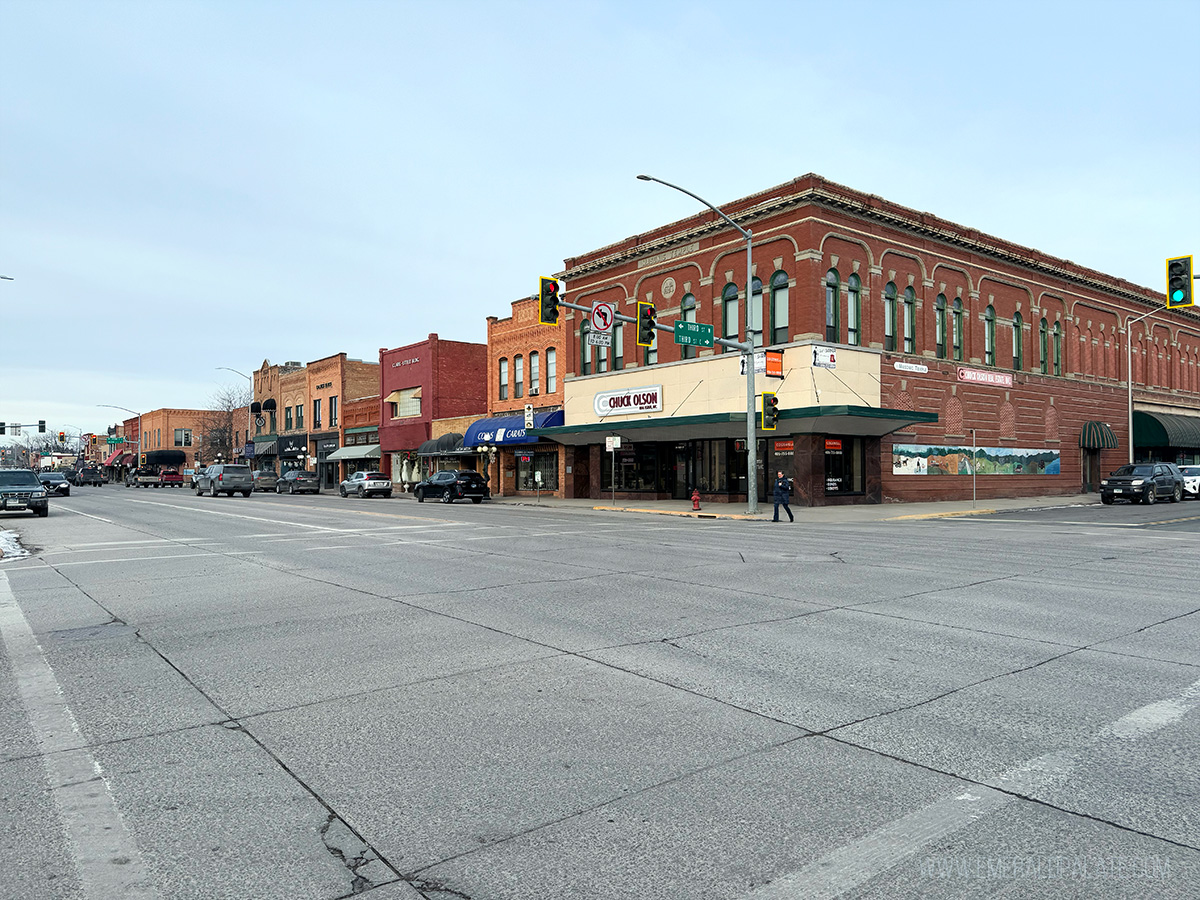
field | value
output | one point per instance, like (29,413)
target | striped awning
(1097,436)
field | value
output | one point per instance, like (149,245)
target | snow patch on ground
(10,546)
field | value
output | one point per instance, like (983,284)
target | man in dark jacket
(783,490)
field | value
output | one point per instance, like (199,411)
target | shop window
(989,336)
(832,303)
(535,375)
(551,370)
(688,314)
(844,471)
(1018,343)
(1044,347)
(779,308)
(957,327)
(910,321)
(939,324)
(531,465)
(518,377)
(889,316)
(503,379)
(853,311)
(729,314)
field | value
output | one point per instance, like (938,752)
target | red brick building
(360,437)
(419,383)
(524,359)
(1008,361)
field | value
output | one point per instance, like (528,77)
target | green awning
(1097,436)
(1155,429)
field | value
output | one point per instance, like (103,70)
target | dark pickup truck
(88,475)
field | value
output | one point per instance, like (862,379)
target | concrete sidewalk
(864,512)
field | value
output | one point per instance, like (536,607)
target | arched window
(1018,343)
(1058,360)
(756,311)
(687,314)
(551,370)
(939,324)
(503,379)
(853,310)
(535,375)
(585,349)
(1044,347)
(889,316)
(910,320)
(518,376)
(989,336)
(618,346)
(956,313)
(779,308)
(832,304)
(729,314)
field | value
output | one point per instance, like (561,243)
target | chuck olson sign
(631,400)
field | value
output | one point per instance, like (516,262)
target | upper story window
(551,370)
(756,311)
(650,354)
(503,385)
(957,328)
(1058,360)
(333,412)
(729,313)
(299,415)
(853,311)
(271,414)
(779,308)
(183,437)
(535,376)
(405,403)
(585,349)
(687,314)
(832,304)
(316,414)
(910,320)
(1044,347)
(889,316)
(518,376)
(618,346)
(287,418)
(939,324)
(1018,343)
(989,336)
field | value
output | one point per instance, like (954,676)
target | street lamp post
(747,349)
(139,415)
(1129,323)
(248,413)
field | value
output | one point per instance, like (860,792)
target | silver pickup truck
(225,478)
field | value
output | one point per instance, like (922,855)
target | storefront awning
(270,448)
(111,461)
(358,451)
(166,458)
(1156,429)
(450,444)
(1097,436)
(853,421)
(507,430)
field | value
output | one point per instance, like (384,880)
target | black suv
(1143,483)
(450,486)
(298,481)
(20,490)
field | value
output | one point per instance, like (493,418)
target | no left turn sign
(603,316)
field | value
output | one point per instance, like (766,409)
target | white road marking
(858,862)
(105,854)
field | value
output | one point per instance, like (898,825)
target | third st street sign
(695,334)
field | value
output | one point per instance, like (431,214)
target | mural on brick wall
(936,459)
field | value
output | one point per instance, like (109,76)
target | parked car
(55,483)
(1191,481)
(20,490)
(225,478)
(265,480)
(1143,483)
(450,485)
(88,475)
(365,484)
(298,481)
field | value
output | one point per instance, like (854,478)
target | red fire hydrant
(695,498)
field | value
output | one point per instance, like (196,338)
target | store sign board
(919,368)
(766,362)
(825,357)
(978,376)
(630,400)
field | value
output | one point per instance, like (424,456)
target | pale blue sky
(191,185)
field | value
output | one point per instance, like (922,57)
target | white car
(364,484)
(1191,482)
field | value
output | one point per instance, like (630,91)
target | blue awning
(506,430)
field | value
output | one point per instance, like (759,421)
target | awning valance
(506,430)
(267,449)
(450,444)
(1156,429)
(1097,436)
(358,451)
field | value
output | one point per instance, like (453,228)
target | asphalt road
(309,697)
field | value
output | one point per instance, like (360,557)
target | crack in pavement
(354,853)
